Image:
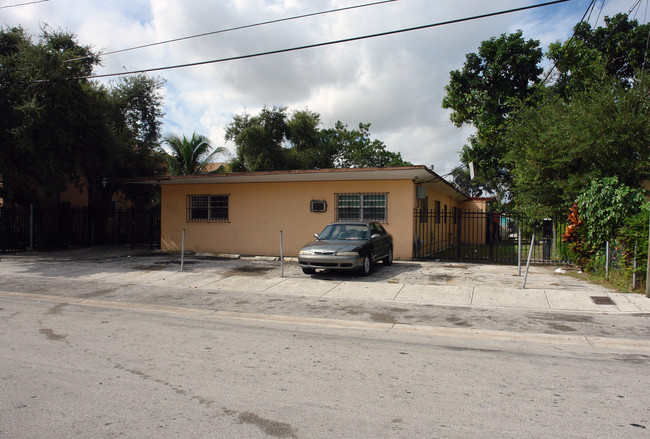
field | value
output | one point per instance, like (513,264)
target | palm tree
(191,156)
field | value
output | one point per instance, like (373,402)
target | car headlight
(347,254)
(306,253)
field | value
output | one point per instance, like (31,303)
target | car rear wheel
(388,260)
(366,265)
(308,270)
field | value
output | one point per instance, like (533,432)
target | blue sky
(396,83)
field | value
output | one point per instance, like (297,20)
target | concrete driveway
(421,282)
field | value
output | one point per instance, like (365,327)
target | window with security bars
(362,207)
(207,208)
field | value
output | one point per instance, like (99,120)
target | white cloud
(395,82)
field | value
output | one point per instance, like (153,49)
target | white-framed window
(207,208)
(362,207)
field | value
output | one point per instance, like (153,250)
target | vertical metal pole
(31,227)
(647,272)
(281,256)
(607,260)
(634,268)
(530,254)
(519,248)
(183,251)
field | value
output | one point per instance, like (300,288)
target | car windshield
(335,232)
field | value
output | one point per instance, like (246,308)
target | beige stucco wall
(258,211)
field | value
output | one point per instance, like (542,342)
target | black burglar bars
(490,237)
(66,226)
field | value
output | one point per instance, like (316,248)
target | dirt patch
(443,278)
(178,262)
(381,317)
(149,267)
(248,270)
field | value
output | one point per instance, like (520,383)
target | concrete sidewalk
(426,283)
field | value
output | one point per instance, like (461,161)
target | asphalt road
(79,363)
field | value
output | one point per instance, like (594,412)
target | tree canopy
(58,129)
(485,93)
(275,140)
(540,143)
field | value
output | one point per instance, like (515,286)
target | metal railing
(34,228)
(490,237)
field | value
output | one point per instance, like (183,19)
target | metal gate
(486,237)
(23,228)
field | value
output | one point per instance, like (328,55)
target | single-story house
(245,213)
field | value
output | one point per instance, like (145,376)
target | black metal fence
(490,237)
(24,228)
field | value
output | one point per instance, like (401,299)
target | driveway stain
(247,270)
(271,428)
(562,328)
(149,267)
(97,293)
(561,317)
(381,317)
(51,335)
(442,278)
(457,321)
(56,309)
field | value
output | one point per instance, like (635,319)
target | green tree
(605,206)
(485,93)
(191,156)
(559,148)
(273,140)
(52,129)
(463,181)
(355,148)
(259,140)
(616,50)
(136,114)
(58,129)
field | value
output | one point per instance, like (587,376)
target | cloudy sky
(394,82)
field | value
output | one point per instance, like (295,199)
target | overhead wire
(246,26)
(314,45)
(23,4)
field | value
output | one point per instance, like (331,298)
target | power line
(24,4)
(315,45)
(247,26)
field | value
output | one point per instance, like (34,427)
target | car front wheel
(366,265)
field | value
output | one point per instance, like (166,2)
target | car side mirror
(316,235)
(376,235)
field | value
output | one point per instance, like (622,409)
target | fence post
(530,254)
(607,260)
(634,268)
(281,256)
(647,272)
(132,226)
(182,250)
(459,231)
(31,227)
(519,247)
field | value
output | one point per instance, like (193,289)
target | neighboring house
(244,213)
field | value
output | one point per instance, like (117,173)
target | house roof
(418,174)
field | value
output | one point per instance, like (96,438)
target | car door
(381,244)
